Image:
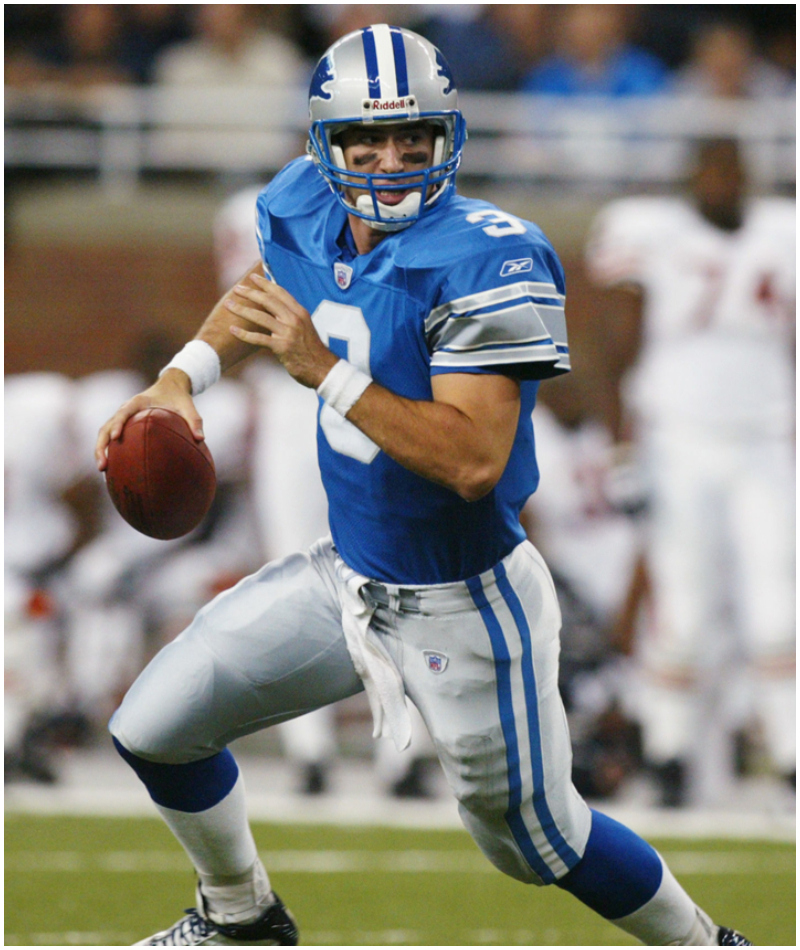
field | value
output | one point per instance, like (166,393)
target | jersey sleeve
(501,311)
(263,229)
(293,179)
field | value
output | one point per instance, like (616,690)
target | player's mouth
(391,198)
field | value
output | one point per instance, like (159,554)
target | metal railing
(121,132)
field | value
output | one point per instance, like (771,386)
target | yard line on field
(302,862)
(70,938)
(362,938)
(728,862)
(380,862)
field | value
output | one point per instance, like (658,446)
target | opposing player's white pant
(478,658)
(722,560)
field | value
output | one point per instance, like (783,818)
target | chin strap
(393,217)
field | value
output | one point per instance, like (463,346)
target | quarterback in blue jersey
(425,322)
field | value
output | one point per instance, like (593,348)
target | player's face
(388,149)
(719,184)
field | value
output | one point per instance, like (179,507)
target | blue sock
(192,787)
(618,873)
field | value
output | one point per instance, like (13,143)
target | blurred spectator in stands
(87,50)
(594,56)
(780,47)
(489,46)
(232,46)
(26,25)
(149,28)
(669,30)
(724,62)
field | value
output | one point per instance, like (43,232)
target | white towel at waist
(382,680)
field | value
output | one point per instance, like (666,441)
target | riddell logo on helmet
(389,105)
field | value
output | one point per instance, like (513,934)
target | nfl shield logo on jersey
(437,662)
(343,275)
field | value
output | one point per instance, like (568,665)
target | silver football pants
(478,658)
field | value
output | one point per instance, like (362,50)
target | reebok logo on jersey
(516,267)
(436,662)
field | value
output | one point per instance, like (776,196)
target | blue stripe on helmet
(400,67)
(371,58)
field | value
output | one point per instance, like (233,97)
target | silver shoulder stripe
(489,298)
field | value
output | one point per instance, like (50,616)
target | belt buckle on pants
(404,601)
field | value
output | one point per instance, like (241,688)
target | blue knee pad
(618,873)
(192,787)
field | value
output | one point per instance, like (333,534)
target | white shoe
(274,928)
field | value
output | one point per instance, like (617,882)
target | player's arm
(621,242)
(618,336)
(461,439)
(172,390)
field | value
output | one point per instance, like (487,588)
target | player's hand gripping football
(170,391)
(288,330)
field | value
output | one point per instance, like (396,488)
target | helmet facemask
(432,182)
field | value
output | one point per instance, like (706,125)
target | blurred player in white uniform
(588,538)
(292,511)
(712,402)
(40,533)
(591,544)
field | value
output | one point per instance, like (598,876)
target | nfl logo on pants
(437,662)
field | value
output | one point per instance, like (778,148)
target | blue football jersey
(466,289)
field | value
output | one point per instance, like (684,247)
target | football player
(710,284)
(424,321)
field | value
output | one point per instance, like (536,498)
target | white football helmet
(385,74)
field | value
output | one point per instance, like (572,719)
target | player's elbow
(478,481)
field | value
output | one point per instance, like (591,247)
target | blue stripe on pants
(540,805)
(502,661)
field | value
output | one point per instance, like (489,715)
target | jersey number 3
(344,330)
(501,224)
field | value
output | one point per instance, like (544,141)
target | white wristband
(343,386)
(200,361)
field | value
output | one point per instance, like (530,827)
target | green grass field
(94,881)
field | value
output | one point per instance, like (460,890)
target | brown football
(161,480)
